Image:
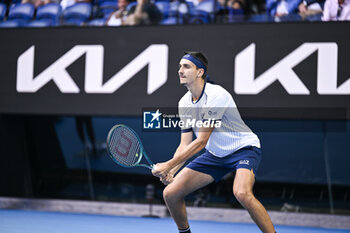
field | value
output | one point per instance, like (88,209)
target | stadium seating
(200,17)
(15,1)
(96,13)
(97,22)
(176,12)
(3,9)
(40,23)
(182,7)
(107,7)
(77,14)
(24,12)
(49,12)
(12,23)
(163,6)
(209,6)
(261,18)
(173,20)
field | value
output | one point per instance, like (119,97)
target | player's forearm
(186,152)
(178,151)
(176,168)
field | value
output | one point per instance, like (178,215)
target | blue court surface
(19,221)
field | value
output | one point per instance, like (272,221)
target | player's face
(188,72)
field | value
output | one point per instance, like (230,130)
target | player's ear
(200,72)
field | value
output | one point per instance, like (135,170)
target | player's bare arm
(186,139)
(183,153)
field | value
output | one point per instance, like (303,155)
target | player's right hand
(167,180)
(161,170)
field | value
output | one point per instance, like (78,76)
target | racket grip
(154,167)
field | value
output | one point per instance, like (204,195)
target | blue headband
(195,61)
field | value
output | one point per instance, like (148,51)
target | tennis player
(230,146)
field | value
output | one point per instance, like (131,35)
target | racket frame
(142,152)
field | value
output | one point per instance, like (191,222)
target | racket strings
(125,147)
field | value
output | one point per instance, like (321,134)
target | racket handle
(154,167)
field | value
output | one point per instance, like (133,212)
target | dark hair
(200,56)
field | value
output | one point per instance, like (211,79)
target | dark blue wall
(293,151)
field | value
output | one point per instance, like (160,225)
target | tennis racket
(125,148)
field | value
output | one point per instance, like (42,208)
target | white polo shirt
(216,104)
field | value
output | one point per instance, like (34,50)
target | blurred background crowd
(46,13)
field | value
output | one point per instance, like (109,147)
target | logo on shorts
(244,161)
(151,120)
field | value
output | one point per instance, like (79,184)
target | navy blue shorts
(247,157)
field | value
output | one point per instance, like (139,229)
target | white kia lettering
(246,83)
(155,56)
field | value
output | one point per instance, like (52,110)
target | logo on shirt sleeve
(211,113)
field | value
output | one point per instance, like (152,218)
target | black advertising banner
(285,71)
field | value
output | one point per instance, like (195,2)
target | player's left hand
(162,170)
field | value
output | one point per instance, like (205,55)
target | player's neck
(196,89)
